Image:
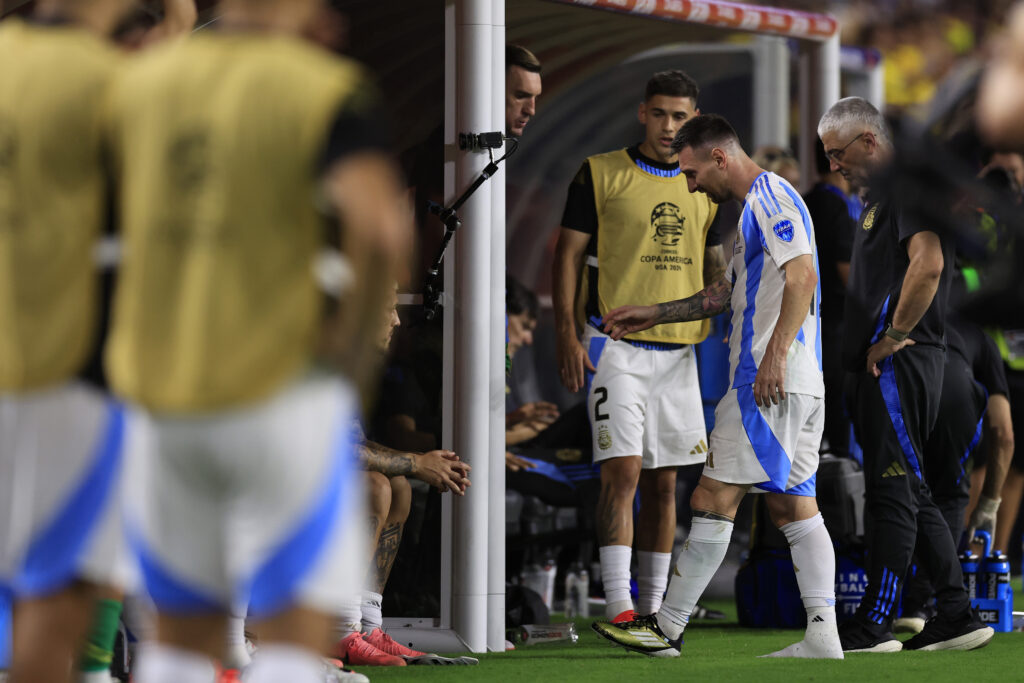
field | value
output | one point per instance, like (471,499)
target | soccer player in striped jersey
(768,426)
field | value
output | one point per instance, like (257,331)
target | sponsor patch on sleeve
(784,230)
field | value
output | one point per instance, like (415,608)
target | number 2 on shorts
(603,393)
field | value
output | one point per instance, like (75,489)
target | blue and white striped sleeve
(783,219)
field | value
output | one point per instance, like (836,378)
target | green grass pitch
(715,652)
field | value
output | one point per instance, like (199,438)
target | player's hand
(628,319)
(572,362)
(444,471)
(514,463)
(769,383)
(882,349)
(537,410)
(983,517)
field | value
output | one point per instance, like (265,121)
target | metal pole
(876,85)
(819,90)
(496,483)
(771,91)
(472,310)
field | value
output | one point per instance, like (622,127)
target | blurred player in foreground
(61,448)
(243,489)
(769,425)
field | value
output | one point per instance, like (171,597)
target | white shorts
(644,402)
(60,465)
(260,506)
(774,448)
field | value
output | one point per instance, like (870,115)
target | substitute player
(769,425)
(894,353)
(60,434)
(242,467)
(643,238)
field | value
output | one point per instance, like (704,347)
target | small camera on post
(475,142)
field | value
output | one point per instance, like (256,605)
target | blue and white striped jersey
(775,227)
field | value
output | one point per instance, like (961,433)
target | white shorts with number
(774,447)
(259,506)
(644,402)
(60,465)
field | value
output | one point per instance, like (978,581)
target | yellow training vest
(218,140)
(53,199)
(650,242)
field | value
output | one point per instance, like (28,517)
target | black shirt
(877,268)
(833,233)
(977,349)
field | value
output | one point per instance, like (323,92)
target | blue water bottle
(997,575)
(969,566)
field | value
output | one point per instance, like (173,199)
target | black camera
(477,141)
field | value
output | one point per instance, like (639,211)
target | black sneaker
(912,621)
(966,632)
(641,635)
(702,612)
(856,637)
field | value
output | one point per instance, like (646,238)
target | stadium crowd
(196,425)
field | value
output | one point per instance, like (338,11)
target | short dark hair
(704,130)
(519,299)
(673,83)
(517,55)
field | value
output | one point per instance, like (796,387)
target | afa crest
(667,224)
(604,438)
(869,218)
(784,231)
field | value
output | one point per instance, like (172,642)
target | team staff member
(644,238)
(768,426)
(60,434)
(522,88)
(242,478)
(894,354)
(973,381)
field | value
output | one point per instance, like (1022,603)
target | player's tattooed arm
(387,461)
(707,303)
(714,263)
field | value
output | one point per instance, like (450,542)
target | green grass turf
(723,651)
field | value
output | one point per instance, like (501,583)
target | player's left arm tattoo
(707,303)
(387,461)
(714,263)
(384,557)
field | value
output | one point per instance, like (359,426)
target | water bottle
(572,589)
(534,634)
(997,575)
(969,565)
(583,594)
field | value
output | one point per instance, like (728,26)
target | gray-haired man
(894,353)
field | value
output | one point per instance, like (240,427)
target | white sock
(651,580)
(700,558)
(277,662)
(815,563)
(160,663)
(615,576)
(91,676)
(372,617)
(349,617)
(236,655)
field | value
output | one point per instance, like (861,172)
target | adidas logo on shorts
(895,470)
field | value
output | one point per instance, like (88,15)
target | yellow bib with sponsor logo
(650,242)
